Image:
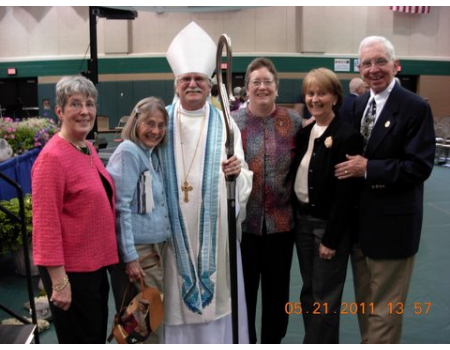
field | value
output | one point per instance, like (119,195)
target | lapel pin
(386,125)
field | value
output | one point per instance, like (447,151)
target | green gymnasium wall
(160,65)
(141,77)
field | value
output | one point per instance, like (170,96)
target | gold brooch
(328,142)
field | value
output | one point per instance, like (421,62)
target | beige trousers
(153,278)
(382,285)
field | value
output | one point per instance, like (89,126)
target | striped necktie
(368,121)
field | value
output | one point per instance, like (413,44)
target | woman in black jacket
(324,206)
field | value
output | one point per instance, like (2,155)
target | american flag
(411,9)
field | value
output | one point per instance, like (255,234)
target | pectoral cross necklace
(186,187)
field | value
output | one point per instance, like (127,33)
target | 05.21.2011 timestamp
(354,308)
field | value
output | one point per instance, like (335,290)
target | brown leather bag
(134,322)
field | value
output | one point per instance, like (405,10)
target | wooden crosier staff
(224,41)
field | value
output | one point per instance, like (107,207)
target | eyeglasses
(378,62)
(199,80)
(78,105)
(258,83)
(153,126)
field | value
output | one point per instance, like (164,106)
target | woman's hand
(61,289)
(134,270)
(326,253)
(62,298)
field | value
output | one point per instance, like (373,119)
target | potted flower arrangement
(10,231)
(24,135)
(11,239)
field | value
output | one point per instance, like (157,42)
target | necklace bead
(85,150)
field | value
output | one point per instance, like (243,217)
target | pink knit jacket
(73,219)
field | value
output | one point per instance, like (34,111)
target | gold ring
(346,172)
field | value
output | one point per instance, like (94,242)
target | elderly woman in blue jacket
(143,223)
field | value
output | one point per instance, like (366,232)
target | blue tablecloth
(19,170)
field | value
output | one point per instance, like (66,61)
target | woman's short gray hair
(72,85)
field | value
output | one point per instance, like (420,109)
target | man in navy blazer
(357,87)
(398,158)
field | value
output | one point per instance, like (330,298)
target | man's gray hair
(355,83)
(372,40)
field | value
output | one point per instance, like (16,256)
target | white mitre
(192,51)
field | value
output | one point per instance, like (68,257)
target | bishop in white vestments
(197,300)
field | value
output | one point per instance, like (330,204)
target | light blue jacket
(137,222)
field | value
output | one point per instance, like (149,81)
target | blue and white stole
(197,289)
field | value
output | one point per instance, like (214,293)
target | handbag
(134,322)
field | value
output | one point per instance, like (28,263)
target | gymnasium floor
(430,284)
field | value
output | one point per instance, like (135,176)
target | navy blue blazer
(345,112)
(400,157)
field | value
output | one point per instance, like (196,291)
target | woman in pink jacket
(74,237)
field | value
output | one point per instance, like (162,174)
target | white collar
(383,95)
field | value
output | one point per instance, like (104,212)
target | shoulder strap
(155,260)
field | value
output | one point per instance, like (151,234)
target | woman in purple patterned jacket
(268,133)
